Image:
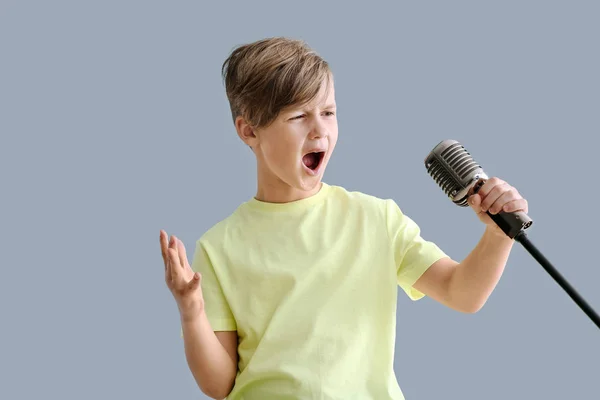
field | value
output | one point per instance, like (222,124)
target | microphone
(458,175)
(454,170)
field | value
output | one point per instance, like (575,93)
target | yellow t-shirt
(311,287)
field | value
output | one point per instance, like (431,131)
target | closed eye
(327,113)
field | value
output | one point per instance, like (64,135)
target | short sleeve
(216,306)
(413,255)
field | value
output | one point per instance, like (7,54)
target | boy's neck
(283,193)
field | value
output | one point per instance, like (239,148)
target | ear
(245,131)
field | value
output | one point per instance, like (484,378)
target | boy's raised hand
(495,196)
(183,283)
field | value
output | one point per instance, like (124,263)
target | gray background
(115,124)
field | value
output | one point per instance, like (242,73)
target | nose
(319,130)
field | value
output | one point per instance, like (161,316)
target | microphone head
(454,170)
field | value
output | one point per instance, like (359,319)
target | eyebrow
(331,105)
(292,110)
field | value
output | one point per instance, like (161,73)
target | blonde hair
(264,77)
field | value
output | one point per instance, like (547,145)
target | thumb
(195,282)
(475,202)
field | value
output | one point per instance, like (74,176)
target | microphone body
(453,168)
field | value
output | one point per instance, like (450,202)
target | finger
(519,204)
(475,202)
(493,195)
(163,246)
(167,258)
(504,198)
(173,246)
(182,255)
(174,265)
(195,281)
(168,273)
(488,186)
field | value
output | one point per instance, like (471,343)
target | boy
(293,296)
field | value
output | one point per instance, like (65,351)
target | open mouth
(312,160)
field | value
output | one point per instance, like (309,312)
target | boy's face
(293,152)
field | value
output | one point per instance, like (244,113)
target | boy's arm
(211,356)
(210,348)
(467,285)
